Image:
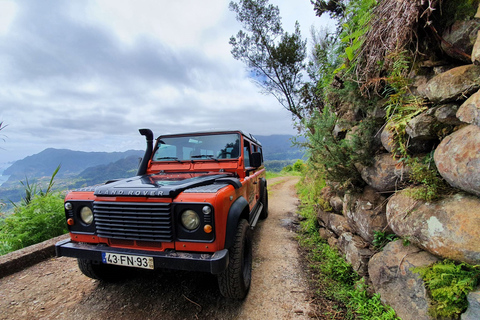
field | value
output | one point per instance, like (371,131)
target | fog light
(68,206)
(70,222)
(208,228)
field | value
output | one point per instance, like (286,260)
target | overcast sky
(86,75)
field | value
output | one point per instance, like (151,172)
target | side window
(246,152)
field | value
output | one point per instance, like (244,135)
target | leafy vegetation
(42,219)
(428,184)
(381,239)
(39,217)
(449,283)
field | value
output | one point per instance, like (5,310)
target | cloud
(86,75)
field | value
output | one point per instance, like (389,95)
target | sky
(86,75)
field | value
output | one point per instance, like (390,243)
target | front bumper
(214,263)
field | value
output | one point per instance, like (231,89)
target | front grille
(133,221)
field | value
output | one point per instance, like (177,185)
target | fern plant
(449,283)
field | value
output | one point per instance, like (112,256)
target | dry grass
(393,29)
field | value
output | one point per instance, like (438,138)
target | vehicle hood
(166,184)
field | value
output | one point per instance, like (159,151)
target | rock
(448,228)
(422,127)
(469,111)
(366,213)
(447,114)
(322,218)
(392,276)
(338,224)
(461,35)
(476,50)
(336,203)
(473,311)
(385,174)
(458,159)
(334,222)
(415,145)
(454,84)
(325,233)
(387,138)
(356,252)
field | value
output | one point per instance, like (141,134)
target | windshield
(216,146)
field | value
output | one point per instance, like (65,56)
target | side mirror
(256,159)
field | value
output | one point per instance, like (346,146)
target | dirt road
(55,289)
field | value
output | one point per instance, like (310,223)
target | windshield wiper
(168,158)
(207,156)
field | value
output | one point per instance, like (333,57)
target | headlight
(190,219)
(86,215)
(68,206)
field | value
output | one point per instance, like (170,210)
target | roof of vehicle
(208,132)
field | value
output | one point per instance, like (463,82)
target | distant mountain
(280,147)
(72,162)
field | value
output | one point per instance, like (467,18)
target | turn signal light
(70,222)
(208,228)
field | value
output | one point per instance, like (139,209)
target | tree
(275,57)
(2,126)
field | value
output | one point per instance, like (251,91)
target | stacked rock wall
(448,228)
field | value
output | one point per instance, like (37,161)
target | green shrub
(449,283)
(42,219)
(381,239)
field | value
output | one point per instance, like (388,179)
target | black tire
(264,201)
(235,281)
(100,271)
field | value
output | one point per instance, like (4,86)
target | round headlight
(190,219)
(86,215)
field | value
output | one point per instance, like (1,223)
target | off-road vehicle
(192,206)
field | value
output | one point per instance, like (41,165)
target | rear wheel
(234,282)
(264,201)
(100,271)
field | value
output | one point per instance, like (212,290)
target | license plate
(127,260)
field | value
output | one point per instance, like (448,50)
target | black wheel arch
(238,210)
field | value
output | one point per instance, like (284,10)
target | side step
(256,215)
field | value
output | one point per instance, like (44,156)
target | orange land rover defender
(192,206)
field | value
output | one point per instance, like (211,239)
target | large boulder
(473,311)
(469,111)
(454,84)
(458,159)
(392,276)
(449,228)
(356,252)
(366,213)
(385,173)
(461,36)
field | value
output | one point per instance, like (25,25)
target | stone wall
(448,228)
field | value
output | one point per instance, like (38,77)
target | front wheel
(100,271)
(234,282)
